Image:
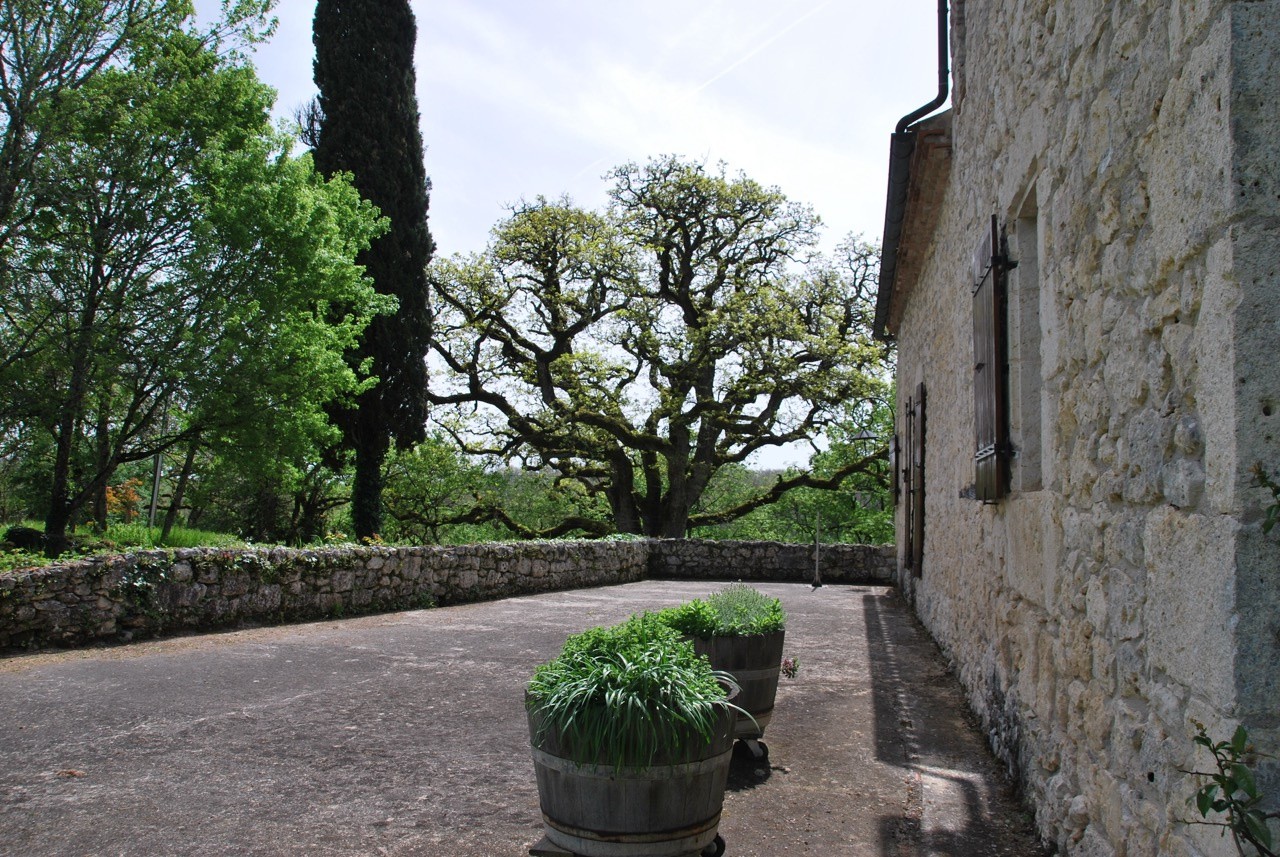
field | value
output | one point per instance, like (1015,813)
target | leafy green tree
(366,124)
(178,275)
(541,504)
(47,52)
(859,509)
(431,487)
(641,350)
(292,502)
(436,494)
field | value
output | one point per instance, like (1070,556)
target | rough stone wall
(144,594)
(120,598)
(694,559)
(1094,616)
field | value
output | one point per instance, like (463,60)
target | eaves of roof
(919,171)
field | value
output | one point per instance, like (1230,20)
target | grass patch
(119,538)
(142,536)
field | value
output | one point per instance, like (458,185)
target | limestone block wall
(139,595)
(1126,589)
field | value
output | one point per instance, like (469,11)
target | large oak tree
(640,349)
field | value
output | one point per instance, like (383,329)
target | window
(990,368)
(913,481)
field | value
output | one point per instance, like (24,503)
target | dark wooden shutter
(894,468)
(990,370)
(913,482)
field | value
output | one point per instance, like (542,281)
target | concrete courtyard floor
(404,734)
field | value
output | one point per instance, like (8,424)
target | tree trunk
(55,529)
(675,516)
(312,503)
(60,509)
(61,506)
(263,514)
(102,441)
(171,514)
(366,490)
(676,502)
(622,501)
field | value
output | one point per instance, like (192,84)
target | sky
(521,98)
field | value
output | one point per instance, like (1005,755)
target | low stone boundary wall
(697,559)
(145,594)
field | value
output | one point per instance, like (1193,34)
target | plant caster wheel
(759,750)
(715,849)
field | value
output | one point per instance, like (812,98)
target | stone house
(1081,271)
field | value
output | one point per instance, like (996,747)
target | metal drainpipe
(901,145)
(944,74)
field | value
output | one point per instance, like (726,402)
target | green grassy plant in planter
(632,733)
(741,631)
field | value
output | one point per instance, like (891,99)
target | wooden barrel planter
(754,661)
(668,809)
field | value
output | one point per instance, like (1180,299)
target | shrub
(694,618)
(621,695)
(737,610)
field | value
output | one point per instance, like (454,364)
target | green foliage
(848,514)
(50,51)
(743,610)
(694,618)
(434,493)
(142,536)
(1272,513)
(736,610)
(430,494)
(289,501)
(120,538)
(857,507)
(16,560)
(178,277)
(619,696)
(1233,790)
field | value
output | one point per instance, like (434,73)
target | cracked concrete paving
(404,734)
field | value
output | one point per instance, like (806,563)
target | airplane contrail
(724,71)
(758,48)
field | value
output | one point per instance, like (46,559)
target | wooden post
(817,541)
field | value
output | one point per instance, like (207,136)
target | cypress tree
(368,126)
